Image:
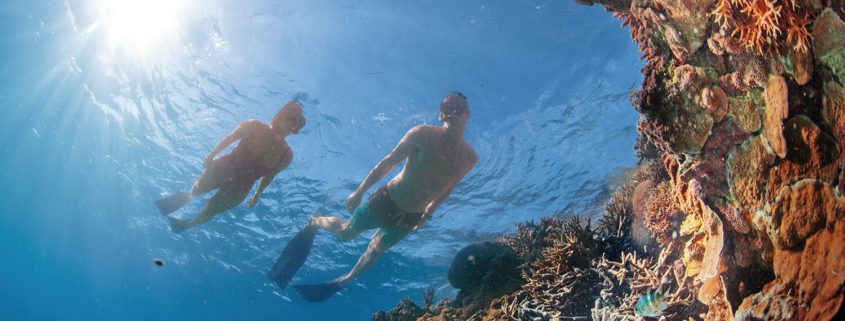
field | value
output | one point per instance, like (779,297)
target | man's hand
(352,201)
(252,201)
(208,160)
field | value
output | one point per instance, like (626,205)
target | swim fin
(173,202)
(318,292)
(293,256)
(178,226)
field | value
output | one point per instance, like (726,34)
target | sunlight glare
(141,24)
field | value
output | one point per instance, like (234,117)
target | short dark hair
(458,106)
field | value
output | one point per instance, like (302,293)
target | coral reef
(736,211)
(405,310)
(807,227)
(664,214)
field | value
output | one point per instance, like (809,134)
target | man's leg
(381,241)
(220,202)
(363,219)
(206,183)
(337,226)
(374,251)
(174,202)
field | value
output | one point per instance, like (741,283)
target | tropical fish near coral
(651,304)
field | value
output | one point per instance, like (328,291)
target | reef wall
(737,210)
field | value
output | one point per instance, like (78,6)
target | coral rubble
(736,211)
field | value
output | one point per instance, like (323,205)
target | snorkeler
(437,158)
(261,153)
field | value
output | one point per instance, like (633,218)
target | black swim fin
(173,202)
(293,256)
(178,226)
(318,292)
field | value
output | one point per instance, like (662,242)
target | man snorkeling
(436,159)
(261,153)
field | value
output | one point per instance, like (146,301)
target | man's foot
(178,226)
(313,221)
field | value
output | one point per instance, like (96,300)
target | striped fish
(651,304)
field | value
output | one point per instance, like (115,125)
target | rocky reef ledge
(736,210)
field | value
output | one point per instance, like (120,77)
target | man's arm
(240,132)
(396,156)
(267,179)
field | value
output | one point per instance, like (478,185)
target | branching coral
(560,282)
(626,280)
(615,226)
(530,237)
(762,25)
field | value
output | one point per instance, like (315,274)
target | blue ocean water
(109,105)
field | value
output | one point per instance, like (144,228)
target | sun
(141,24)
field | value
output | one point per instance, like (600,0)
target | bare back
(264,146)
(434,165)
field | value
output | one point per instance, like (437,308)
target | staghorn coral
(530,237)
(619,222)
(560,281)
(765,26)
(630,277)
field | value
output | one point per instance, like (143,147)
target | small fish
(158,262)
(651,304)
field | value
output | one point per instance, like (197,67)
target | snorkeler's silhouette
(261,153)
(436,159)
